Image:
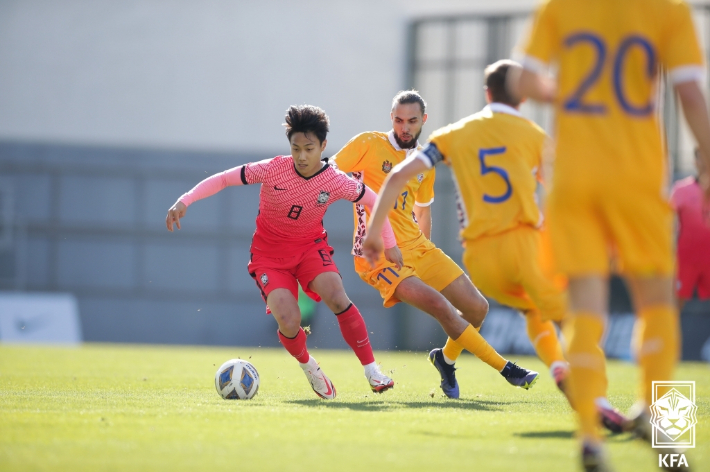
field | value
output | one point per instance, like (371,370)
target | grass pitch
(154,408)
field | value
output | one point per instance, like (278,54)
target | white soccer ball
(236,380)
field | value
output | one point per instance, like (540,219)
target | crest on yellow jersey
(386,167)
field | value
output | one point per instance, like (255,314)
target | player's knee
(483,306)
(477,311)
(336,300)
(440,309)
(289,324)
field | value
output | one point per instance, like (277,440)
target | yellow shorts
(507,268)
(421,259)
(595,230)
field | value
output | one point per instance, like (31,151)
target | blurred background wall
(110,110)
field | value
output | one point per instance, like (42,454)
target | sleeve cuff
(424,158)
(430,155)
(533,64)
(362,193)
(243,175)
(691,73)
(425,204)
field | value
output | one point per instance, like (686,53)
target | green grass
(144,408)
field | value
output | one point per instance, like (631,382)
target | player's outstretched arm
(204,189)
(386,235)
(396,181)
(423,215)
(696,114)
(175,212)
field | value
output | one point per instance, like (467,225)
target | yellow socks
(542,334)
(657,346)
(452,350)
(473,342)
(543,337)
(587,380)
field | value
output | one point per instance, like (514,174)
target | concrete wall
(109,110)
(209,75)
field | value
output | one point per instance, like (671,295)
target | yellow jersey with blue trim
(609,56)
(496,156)
(370,156)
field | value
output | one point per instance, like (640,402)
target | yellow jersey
(370,156)
(609,54)
(495,156)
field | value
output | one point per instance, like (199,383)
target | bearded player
(290,245)
(429,279)
(496,158)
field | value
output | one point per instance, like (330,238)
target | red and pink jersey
(291,207)
(694,222)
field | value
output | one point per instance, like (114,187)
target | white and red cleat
(320,383)
(379,382)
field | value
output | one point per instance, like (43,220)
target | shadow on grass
(612,437)
(545,434)
(440,435)
(622,438)
(365,405)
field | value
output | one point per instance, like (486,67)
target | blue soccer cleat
(448,376)
(519,376)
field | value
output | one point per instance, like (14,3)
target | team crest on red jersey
(323,197)
(386,167)
(264,279)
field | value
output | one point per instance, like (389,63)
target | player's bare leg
(284,307)
(656,339)
(473,307)
(466,298)
(329,286)
(415,292)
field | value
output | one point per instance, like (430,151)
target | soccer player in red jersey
(693,249)
(290,245)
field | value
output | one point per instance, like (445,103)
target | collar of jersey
(496,107)
(394,144)
(327,164)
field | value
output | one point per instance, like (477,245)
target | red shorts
(692,275)
(271,273)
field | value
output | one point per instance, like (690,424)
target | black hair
(307,119)
(409,96)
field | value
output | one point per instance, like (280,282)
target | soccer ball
(236,380)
